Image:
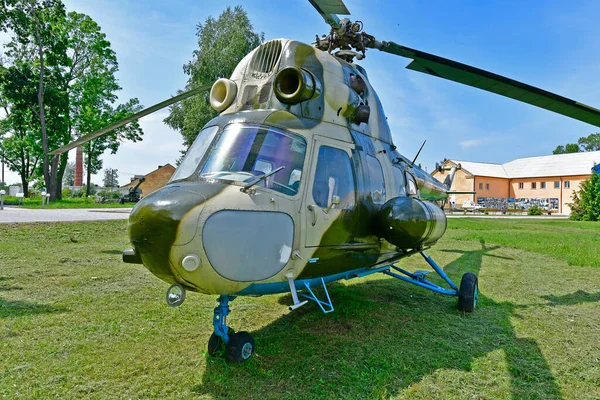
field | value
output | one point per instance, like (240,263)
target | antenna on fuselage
(418,152)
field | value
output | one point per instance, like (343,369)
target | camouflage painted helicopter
(297,183)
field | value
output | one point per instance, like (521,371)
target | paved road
(16,214)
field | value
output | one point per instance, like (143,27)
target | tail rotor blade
(485,80)
(133,117)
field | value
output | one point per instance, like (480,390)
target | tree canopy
(57,82)
(587,143)
(222,43)
(111,178)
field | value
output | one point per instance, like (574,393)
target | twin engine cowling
(409,222)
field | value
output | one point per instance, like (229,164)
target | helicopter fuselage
(297,176)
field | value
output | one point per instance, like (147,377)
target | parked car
(471,206)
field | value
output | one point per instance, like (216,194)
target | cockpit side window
(195,154)
(334,180)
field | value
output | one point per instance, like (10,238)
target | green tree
(569,148)
(95,118)
(586,202)
(586,143)
(37,36)
(590,143)
(222,43)
(20,145)
(73,77)
(111,178)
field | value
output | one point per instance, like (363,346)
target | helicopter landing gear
(238,347)
(468,293)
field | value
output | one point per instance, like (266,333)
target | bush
(67,193)
(586,202)
(534,210)
(107,194)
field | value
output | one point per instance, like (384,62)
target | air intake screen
(265,59)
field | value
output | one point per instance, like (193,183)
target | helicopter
(297,183)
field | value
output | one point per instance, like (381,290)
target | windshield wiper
(261,178)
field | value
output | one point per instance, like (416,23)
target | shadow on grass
(15,309)
(578,297)
(119,252)
(383,338)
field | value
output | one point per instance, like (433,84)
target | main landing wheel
(239,349)
(468,293)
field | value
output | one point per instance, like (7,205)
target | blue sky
(550,44)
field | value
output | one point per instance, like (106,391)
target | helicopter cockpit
(245,152)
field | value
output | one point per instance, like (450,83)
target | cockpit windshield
(246,152)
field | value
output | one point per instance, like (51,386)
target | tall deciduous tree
(590,143)
(569,148)
(586,202)
(20,145)
(586,143)
(37,35)
(222,43)
(74,67)
(111,178)
(95,118)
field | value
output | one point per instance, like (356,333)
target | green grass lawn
(75,322)
(67,202)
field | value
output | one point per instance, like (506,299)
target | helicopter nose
(155,223)
(152,229)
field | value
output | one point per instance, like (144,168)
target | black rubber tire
(216,347)
(240,347)
(468,292)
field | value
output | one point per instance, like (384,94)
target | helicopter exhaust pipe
(222,94)
(293,85)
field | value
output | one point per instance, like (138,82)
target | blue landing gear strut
(467,294)
(238,347)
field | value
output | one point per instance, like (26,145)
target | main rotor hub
(349,40)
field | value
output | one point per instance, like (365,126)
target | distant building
(548,181)
(154,180)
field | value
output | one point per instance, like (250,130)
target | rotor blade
(328,10)
(133,117)
(468,75)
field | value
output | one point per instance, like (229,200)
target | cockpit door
(330,208)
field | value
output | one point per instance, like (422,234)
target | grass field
(75,322)
(67,202)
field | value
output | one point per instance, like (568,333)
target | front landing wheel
(468,292)
(240,347)
(216,346)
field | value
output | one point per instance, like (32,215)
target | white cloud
(466,144)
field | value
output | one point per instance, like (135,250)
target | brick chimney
(79,167)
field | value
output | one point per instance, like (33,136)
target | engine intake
(293,85)
(222,94)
